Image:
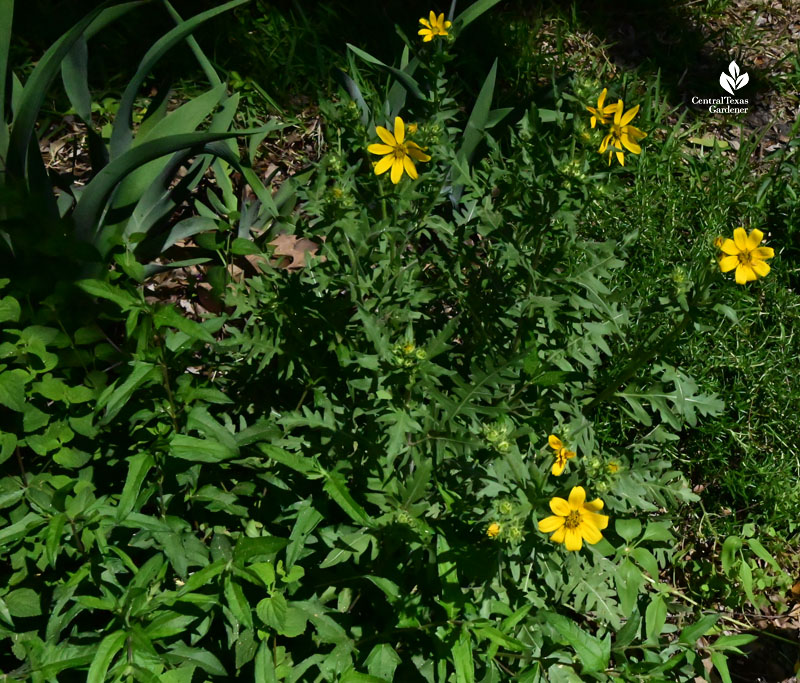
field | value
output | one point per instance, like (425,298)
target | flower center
(573,520)
(400,151)
(616,131)
(745,258)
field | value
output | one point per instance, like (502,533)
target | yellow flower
(575,520)
(743,253)
(494,530)
(412,128)
(562,455)
(398,152)
(613,466)
(622,134)
(601,112)
(433,26)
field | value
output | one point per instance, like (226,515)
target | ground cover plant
(494,389)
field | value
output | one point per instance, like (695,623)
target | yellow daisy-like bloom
(603,110)
(574,520)
(398,152)
(494,530)
(743,253)
(622,134)
(433,26)
(562,455)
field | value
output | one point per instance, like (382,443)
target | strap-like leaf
(473,12)
(410,84)
(122,135)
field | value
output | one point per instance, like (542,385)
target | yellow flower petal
(754,239)
(559,506)
(576,497)
(386,136)
(727,263)
(740,239)
(594,505)
(630,144)
(425,32)
(761,268)
(590,533)
(377,148)
(399,130)
(573,540)
(564,453)
(628,117)
(408,165)
(763,253)
(555,442)
(397,170)
(595,519)
(415,152)
(621,158)
(558,468)
(425,23)
(559,534)
(384,164)
(604,144)
(729,247)
(744,274)
(602,98)
(448,24)
(428,38)
(618,112)
(549,524)
(432,18)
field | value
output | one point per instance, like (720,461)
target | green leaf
(734,642)
(462,658)
(593,653)
(408,81)
(114,398)
(499,638)
(265,665)
(200,450)
(701,627)
(106,651)
(336,488)
(182,653)
(122,134)
(23,602)
(6,20)
(167,316)
(473,12)
(9,308)
(655,617)
(629,581)
(730,547)
(12,388)
(658,531)
(720,662)
(105,290)
(272,611)
(761,551)
(382,661)
(628,529)
(182,674)
(138,467)
(237,602)
(476,125)
(294,461)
